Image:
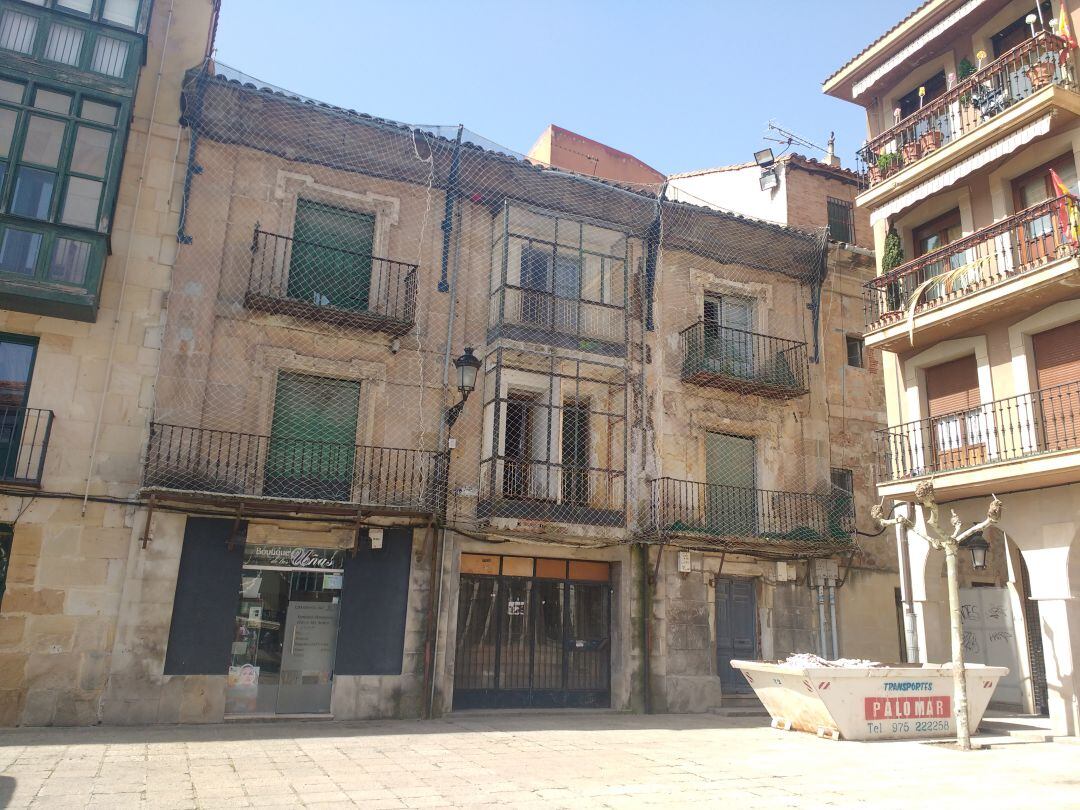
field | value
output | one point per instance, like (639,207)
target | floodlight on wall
(764,158)
(769,180)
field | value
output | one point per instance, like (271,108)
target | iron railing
(1027,425)
(563,493)
(24,440)
(544,317)
(719,356)
(680,507)
(219,461)
(308,280)
(1015,75)
(1020,243)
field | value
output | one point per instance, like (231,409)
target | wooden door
(1057,369)
(736,630)
(958,425)
(330,263)
(312,438)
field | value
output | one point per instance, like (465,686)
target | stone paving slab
(516,761)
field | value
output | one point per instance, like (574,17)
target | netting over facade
(647,365)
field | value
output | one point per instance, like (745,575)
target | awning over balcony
(903,56)
(965,167)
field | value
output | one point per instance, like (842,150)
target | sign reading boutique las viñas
(294,557)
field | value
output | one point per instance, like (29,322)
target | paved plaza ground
(516,760)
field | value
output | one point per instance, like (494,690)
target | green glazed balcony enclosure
(67,84)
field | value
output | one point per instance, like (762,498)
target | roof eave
(839,83)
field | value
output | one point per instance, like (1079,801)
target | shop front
(282,654)
(291,628)
(533,633)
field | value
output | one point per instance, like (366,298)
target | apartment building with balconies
(972,180)
(431,426)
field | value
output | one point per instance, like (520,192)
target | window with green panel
(66,41)
(59,162)
(122,13)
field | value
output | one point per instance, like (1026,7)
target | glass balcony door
(330,263)
(16,365)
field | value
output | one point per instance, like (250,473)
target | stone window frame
(290,187)
(272,360)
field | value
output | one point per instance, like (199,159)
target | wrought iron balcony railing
(720,357)
(307,280)
(219,461)
(539,316)
(1014,76)
(1019,427)
(24,440)
(1018,244)
(715,512)
(550,491)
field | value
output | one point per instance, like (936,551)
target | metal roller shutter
(1057,372)
(957,425)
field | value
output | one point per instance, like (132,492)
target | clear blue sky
(680,84)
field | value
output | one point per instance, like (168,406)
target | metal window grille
(841,219)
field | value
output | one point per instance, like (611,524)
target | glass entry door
(286,634)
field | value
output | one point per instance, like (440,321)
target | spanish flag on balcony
(1068,215)
(1064,29)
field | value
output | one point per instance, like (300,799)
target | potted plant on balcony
(910,151)
(888,163)
(1040,74)
(892,257)
(930,141)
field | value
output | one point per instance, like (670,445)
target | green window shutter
(331,256)
(730,498)
(312,438)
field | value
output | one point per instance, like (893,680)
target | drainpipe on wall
(835,627)
(822,647)
(448,209)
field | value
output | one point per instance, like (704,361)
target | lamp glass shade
(467,365)
(764,157)
(977,545)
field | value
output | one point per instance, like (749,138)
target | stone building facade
(654,467)
(81,319)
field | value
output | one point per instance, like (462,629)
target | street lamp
(977,545)
(467,366)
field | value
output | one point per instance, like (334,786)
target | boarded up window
(207,591)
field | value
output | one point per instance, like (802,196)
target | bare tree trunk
(963,733)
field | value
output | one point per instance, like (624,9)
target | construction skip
(860,702)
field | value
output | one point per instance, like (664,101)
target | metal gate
(532,642)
